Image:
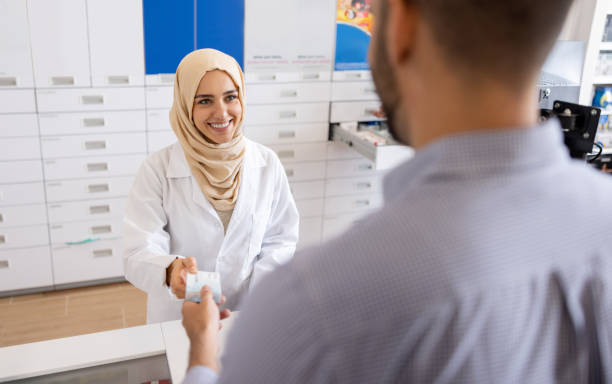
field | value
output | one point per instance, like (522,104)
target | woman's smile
(220,126)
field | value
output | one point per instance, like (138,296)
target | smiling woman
(214,201)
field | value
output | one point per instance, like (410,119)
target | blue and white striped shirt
(491,261)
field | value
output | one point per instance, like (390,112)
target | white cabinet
(159,140)
(18,125)
(351,186)
(85,231)
(19,148)
(16,194)
(23,215)
(159,97)
(310,207)
(90,261)
(289,153)
(17,101)
(334,226)
(350,168)
(310,231)
(93,145)
(88,167)
(86,210)
(23,237)
(16,63)
(289,113)
(308,189)
(69,190)
(25,268)
(60,49)
(305,171)
(116,42)
(158,119)
(287,133)
(355,111)
(90,99)
(82,123)
(356,90)
(287,93)
(20,171)
(354,203)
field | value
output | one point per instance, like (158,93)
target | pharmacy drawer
(352,76)
(288,113)
(271,77)
(19,194)
(354,90)
(338,151)
(350,168)
(287,93)
(305,171)
(342,187)
(308,189)
(354,111)
(19,148)
(85,167)
(90,99)
(159,140)
(310,207)
(20,171)
(287,133)
(83,123)
(158,120)
(58,191)
(289,153)
(86,210)
(159,97)
(85,231)
(355,203)
(310,231)
(334,226)
(84,262)
(93,145)
(25,268)
(18,125)
(22,215)
(160,79)
(23,237)
(17,101)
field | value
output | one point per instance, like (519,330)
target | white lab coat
(167,215)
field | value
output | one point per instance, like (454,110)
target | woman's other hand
(176,275)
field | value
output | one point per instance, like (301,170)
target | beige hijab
(216,167)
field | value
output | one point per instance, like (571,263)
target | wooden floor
(71,312)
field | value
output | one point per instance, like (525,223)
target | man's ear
(401,29)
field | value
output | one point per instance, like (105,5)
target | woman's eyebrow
(224,93)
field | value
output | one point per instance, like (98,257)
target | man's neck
(457,110)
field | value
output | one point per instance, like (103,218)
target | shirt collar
(477,154)
(178,167)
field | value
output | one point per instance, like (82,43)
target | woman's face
(216,107)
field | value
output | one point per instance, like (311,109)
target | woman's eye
(205,101)
(232,97)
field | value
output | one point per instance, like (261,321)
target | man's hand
(202,322)
(176,275)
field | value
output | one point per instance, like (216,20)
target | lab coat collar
(178,167)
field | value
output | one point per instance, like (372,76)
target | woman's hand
(176,275)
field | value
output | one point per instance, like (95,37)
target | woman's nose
(220,111)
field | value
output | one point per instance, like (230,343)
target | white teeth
(220,125)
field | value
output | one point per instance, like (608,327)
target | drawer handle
(97,167)
(4,264)
(102,253)
(286,134)
(267,77)
(311,76)
(364,185)
(100,229)
(92,99)
(364,167)
(289,93)
(8,81)
(286,154)
(353,75)
(369,90)
(98,209)
(91,145)
(167,79)
(362,203)
(62,80)
(1,218)
(289,172)
(117,79)
(2,239)
(288,114)
(95,188)
(94,122)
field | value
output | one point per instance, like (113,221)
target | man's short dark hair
(495,37)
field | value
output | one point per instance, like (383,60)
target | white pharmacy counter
(153,353)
